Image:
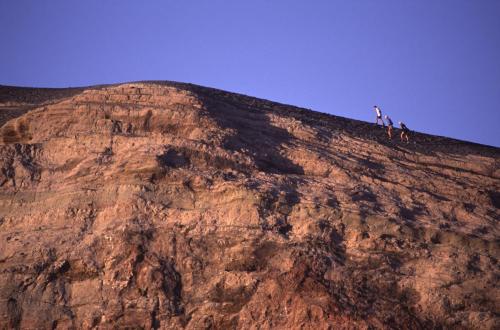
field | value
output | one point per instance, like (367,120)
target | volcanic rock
(168,205)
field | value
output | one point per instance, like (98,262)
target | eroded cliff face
(167,205)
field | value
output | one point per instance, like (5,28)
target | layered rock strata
(167,205)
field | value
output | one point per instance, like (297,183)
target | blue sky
(433,64)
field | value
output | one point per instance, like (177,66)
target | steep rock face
(168,205)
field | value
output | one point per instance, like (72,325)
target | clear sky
(434,64)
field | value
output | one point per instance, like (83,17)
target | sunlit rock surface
(168,205)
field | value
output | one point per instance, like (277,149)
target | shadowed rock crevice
(253,134)
(276,205)
(495,198)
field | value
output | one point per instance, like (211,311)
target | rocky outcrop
(168,205)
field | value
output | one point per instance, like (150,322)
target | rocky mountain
(168,205)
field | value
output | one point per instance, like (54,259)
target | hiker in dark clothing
(389,126)
(404,132)
(379,115)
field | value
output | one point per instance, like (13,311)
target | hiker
(379,115)
(389,126)
(404,132)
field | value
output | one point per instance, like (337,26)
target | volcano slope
(168,205)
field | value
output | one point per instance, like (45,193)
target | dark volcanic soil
(168,205)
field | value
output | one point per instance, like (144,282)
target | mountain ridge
(196,86)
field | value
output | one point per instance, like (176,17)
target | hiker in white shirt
(379,115)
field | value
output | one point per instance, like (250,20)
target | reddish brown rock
(168,205)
